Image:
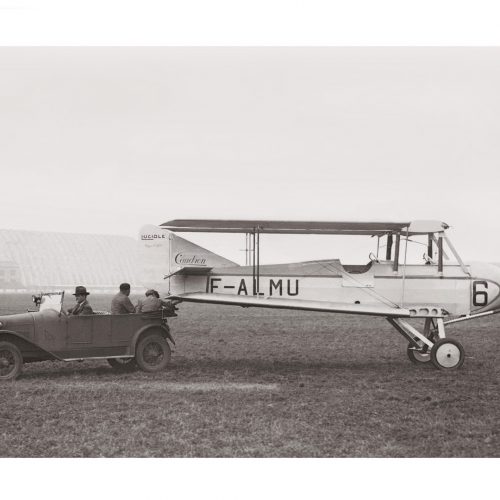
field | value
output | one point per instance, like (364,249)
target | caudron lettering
(194,260)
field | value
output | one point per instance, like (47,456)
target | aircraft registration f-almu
(438,292)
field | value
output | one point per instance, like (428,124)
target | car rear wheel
(11,361)
(152,353)
(123,364)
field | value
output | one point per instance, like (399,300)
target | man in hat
(82,307)
(121,304)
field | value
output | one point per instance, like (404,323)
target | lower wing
(304,305)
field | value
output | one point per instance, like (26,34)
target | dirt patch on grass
(154,386)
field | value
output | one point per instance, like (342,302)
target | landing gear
(447,354)
(418,356)
(431,345)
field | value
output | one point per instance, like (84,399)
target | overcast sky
(104,140)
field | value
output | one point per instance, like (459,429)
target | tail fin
(162,253)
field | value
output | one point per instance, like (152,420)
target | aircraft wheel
(153,353)
(11,361)
(122,364)
(418,357)
(447,354)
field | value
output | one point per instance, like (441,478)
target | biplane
(438,291)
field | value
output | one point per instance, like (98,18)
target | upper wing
(305,305)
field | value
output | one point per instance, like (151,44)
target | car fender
(5,334)
(139,333)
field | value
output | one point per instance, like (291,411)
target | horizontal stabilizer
(191,270)
(304,305)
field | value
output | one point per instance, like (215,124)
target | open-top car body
(125,340)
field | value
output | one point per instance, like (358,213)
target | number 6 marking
(479,297)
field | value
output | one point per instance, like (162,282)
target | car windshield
(51,301)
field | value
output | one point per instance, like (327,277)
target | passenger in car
(151,303)
(121,304)
(82,306)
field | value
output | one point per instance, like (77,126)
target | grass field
(257,383)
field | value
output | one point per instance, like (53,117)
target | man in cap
(121,304)
(82,307)
(152,302)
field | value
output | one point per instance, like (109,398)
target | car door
(80,336)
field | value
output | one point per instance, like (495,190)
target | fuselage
(460,290)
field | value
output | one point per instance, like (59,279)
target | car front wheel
(152,353)
(11,361)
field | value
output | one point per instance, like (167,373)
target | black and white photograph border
(116,115)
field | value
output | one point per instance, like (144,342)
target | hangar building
(36,260)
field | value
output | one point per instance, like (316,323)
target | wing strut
(253,241)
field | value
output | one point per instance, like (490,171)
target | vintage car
(124,340)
